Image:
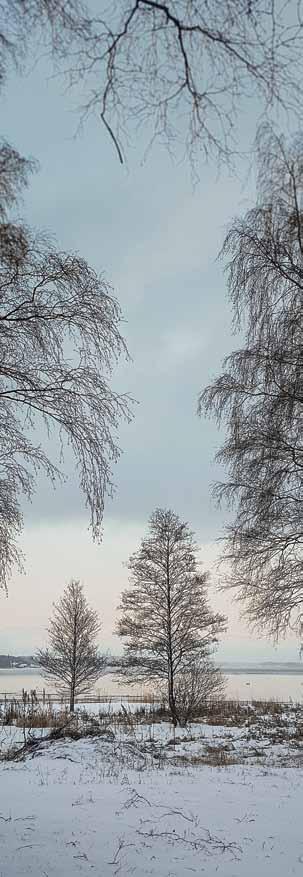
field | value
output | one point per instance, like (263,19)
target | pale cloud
(184,237)
(179,346)
(176,348)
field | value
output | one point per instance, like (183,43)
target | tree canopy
(258,397)
(59,342)
(182,70)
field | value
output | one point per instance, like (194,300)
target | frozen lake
(242,686)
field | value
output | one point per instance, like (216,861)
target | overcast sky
(156,238)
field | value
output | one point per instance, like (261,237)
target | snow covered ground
(71,810)
(134,801)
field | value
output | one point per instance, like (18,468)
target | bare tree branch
(259,396)
(181,70)
(59,343)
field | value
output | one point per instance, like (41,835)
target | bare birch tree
(259,395)
(182,70)
(59,325)
(72,662)
(59,342)
(166,622)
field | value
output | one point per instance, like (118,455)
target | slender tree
(180,68)
(259,395)
(72,662)
(59,342)
(165,619)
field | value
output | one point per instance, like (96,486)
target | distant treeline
(9,661)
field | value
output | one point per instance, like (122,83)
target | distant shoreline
(21,669)
(269,669)
(258,671)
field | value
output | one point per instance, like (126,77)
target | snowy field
(134,800)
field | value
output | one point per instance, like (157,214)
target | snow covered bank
(94,806)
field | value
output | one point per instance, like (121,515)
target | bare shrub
(196,687)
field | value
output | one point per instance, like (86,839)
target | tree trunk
(171,698)
(72,699)
(171,695)
(74,655)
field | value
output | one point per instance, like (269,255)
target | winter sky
(156,238)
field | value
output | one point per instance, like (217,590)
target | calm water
(252,686)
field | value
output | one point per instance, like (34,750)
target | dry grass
(214,757)
(222,713)
(260,724)
(27,717)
